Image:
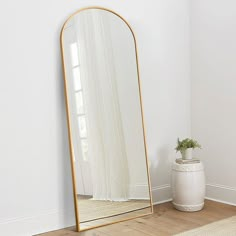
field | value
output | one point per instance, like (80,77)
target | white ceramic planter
(188,186)
(187,154)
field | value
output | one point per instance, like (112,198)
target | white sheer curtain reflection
(107,151)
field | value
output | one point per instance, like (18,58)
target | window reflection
(84,146)
(76,79)
(74,54)
(82,127)
(79,102)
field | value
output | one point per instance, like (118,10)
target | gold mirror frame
(69,125)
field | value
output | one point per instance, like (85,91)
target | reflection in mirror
(109,163)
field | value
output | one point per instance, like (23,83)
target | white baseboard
(214,192)
(161,194)
(220,201)
(164,201)
(28,226)
(221,193)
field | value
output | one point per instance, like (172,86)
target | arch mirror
(105,121)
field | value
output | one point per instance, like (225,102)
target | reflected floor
(93,209)
(117,218)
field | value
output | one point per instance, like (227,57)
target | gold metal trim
(69,125)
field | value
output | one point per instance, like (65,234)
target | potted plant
(188,178)
(186,146)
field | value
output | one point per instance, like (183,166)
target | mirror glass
(109,162)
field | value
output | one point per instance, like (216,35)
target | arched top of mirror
(91,11)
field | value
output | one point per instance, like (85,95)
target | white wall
(164,51)
(35,179)
(213,35)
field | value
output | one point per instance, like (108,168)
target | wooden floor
(164,221)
